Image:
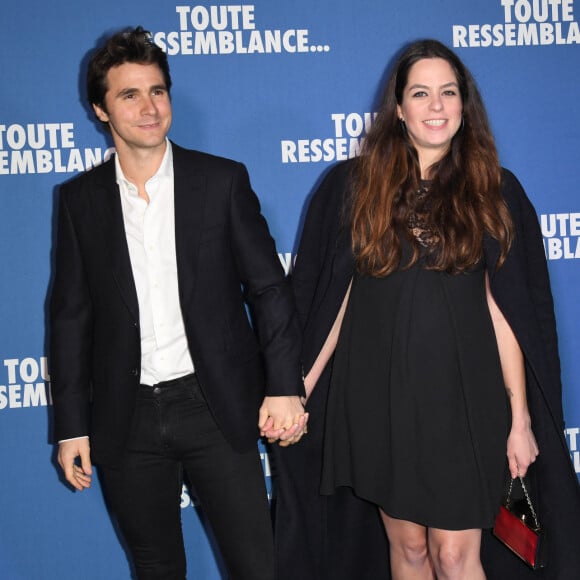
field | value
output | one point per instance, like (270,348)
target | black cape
(341,536)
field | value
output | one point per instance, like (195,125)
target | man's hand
(282,418)
(79,476)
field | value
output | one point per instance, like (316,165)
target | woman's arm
(327,350)
(522,448)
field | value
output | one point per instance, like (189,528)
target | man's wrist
(73,439)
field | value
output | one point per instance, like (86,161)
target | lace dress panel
(418,222)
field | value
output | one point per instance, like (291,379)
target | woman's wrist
(521,421)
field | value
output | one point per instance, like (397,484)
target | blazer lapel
(190,191)
(107,203)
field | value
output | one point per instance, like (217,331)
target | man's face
(137,107)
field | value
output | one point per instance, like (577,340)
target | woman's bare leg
(456,554)
(408,549)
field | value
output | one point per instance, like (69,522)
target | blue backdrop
(287,88)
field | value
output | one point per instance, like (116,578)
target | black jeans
(173,430)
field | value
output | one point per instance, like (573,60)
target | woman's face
(431,108)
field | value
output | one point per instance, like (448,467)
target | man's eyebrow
(126,91)
(129,90)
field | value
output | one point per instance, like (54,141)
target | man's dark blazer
(225,259)
(521,288)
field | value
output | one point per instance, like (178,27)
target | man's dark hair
(133,45)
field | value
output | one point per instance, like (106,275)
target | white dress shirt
(150,231)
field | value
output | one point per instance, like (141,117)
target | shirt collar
(165,169)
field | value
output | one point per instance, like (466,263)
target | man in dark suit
(155,367)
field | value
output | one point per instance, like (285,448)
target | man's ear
(101,113)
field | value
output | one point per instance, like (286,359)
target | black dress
(418,417)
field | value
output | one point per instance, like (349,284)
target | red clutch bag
(517,526)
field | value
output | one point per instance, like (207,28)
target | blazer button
(134,372)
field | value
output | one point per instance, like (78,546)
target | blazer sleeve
(266,289)
(70,330)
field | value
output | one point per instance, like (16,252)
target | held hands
(79,476)
(522,449)
(282,419)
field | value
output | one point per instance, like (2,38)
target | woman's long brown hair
(464,199)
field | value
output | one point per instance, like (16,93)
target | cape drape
(341,535)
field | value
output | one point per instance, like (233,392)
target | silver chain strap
(509,495)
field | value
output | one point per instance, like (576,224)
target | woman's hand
(522,449)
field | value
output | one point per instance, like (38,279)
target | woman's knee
(413,550)
(453,552)
(449,559)
(407,540)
